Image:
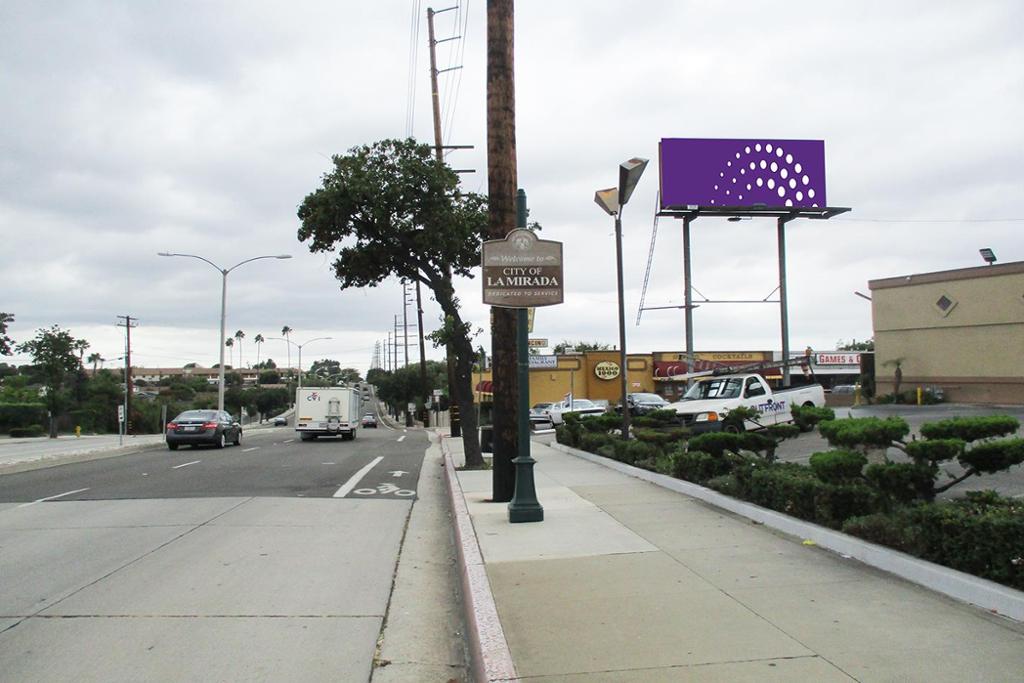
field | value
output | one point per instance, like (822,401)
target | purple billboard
(742,173)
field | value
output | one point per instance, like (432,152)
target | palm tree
(80,345)
(259,340)
(231,357)
(94,358)
(240,336)
(285,331)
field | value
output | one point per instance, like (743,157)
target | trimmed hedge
(30,431)
(971,428)
(21,415)
(864,431)
(981,534)
(836,467)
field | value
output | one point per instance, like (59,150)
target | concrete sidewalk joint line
(982,593)
(489,650)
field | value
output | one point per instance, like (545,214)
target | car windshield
(725,387)
(198,415)
(368,417)
(648,398)
(583,403)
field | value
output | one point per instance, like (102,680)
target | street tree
(230,343)
(94,359)
(6,343)
(258,339)
(325,368)
(286,333)
(239,336)
(581,346)
(391,210)
(54,353)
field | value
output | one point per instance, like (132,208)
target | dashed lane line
(186,464)
(254,448)
(401,438)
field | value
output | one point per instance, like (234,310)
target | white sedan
(579,406)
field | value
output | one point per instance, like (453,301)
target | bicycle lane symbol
(385,489)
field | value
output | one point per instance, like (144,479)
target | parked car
(280,421)
(641,404)
(540,414)
(369,421)
(197,427)
(844,389)
(580,406)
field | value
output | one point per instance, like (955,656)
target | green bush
(994,456)
(781,432)
(30,431)
(981,534)
(716,443)
(21,414)
(971,428)
(728,485)
(601,423)
(870,432)
(591,441)
(640,453)
(935,450)
(795,490)
(836,467)
(806,417)
(900,483)
(662,438)
(698,466)
(568,434)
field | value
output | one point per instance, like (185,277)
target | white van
(326,411)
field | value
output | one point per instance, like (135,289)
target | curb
(490,657)
(988,595)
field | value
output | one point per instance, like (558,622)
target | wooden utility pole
(128,324)
(501,191)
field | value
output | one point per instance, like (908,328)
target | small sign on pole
(538,343)
(120,412)
(522,271)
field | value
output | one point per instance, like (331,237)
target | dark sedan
(197,427)
(641,404)
(369,420)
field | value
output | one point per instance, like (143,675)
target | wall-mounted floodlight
(608,200)
(988,255)
(629,175)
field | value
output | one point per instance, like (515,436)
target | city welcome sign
(522,271)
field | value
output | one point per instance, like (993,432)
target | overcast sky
(131,128)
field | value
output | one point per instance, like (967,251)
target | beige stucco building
(961,330)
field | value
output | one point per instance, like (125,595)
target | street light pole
(223,309)
(299,346)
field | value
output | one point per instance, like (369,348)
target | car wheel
(220,440)
(172,446)
(731,429)
(238,438)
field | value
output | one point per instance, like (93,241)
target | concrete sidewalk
(628,581)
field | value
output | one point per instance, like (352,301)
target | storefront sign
(742,173)
(539,343)
(725,356)
(606,369)
(543,362)
(521,271)
(837,359)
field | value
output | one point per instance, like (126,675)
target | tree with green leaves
(286,333)
(581,346)
(391,210)
(239,336)
(230,343)
(258,340)
(854,345)
(94,359)
(54,353)
(6,343)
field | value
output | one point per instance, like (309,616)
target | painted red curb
(491,659)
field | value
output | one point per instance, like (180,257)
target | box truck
(326,411)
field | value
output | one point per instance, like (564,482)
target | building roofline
(972,273)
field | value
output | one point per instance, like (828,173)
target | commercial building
(959,330)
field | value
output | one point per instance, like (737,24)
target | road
(273,560)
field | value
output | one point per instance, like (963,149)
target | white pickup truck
(710,399)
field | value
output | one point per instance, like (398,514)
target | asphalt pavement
(274,560)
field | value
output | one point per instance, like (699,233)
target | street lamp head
(608,200)
(629,175)
(988,255)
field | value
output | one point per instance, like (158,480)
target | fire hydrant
(78,431)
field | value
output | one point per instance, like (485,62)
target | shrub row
(21,415)
(31,430)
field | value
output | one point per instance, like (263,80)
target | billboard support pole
(783,303)
(688,294)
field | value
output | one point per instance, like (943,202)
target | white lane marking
(288,440)
(397,473)
(59,495)
(385,489)
(401,438)
(328,463)
(186,464)
(351,483)
(254,448)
